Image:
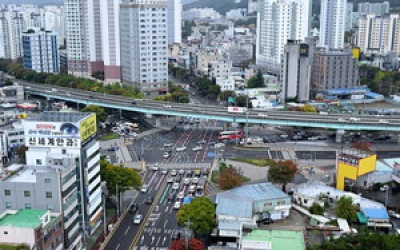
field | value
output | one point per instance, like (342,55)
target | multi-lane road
(338,121)
(159,225)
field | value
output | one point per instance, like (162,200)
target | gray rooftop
(239,201)
(59,116)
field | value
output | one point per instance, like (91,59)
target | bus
(229,135)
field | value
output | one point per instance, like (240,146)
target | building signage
(303,50)
(88,127)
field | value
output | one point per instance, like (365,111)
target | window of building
(28,205)
(8,204)
(47,180)
(27,193)
(7,192)
(281,202)
(49,195)
(50,207)
(38,162)
(63,151)
(267,204)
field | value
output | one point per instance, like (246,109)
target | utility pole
(187,229)
(117,197)
(247,116)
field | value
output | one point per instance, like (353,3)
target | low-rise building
(273,240)
(39,229)
(245,206)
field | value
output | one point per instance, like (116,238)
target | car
(354,119)
(329,216)
(170,180)
(173,172)
(137,219)
(144,188)
(182,172)
(134,207)
(178,179)
(265,221)
(175,235)
(197,172)
(181,120)
(180,149)
(195,180)
(202,142)
(92,97)
(189,173)
(197,120)
(284,136)
(155,167)
(167,106)
(164,171)
(394,214)
(180,195)
(168,144)
(262,115)
(297,137)
(175,186)
(219,145)
(166,155)
(192,189)
(112,148)
(384,188)
(383,121)
(198,148)
(341,120)
(186,181)
(313,138)
(134,103)
(148,200)
(177,205)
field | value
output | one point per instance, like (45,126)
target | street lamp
(247,116)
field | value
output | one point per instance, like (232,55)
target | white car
(181,195)
(262,115)
(191,189)
(166,155)
(180,149)
(177,205)
(137,219)
(173,172)
(144,188)
(202,142)
(186,181)
(383,121)
(175,186)
(354,119)
(167,106)
(384,188)
(394,214)
(169,180)
(195,180)
(219,145)
(168,144)
(197,149)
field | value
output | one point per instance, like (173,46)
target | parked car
(177,205)
(180,149)
(198,148)
(175,186)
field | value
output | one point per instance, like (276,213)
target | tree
(256,81)
(224,95)
(193,244)
(241,101)
(200,212)
(345,209)
(21,151)
(361,241)
(282,172)
(316,209)
(229,178)
(309,108)
(126,178)
(101,114)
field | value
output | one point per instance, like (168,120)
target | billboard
(236,109)
(356,53)
(303,50)
(88,127)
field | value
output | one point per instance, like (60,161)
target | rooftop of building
(274,239)
(314,189)
(24,218)
(239,201)
(54,116)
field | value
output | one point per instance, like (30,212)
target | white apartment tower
(110,40)
(332,23)
(174,21)
(379,34)
(144,45)
(378,9)
(11,27)
(40,51)
(277,22)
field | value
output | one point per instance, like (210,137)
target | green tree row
(384,82)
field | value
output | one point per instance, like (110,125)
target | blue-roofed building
(244,206)
(377,217)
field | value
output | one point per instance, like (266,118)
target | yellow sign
(88,127)
(356,53)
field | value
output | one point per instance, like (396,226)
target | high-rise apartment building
(11,27)
(144,45)
(379,34)
(334,69)
(277,22)
(40,51)
(378,9)
(332,23)
(174,21)
(296,71)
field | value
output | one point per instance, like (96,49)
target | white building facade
(174,21)
(40,51)
(144,46)
(332,23)
(379,34)
(378,9)
(11,27)
(277,22)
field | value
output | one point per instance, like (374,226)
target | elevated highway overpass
(272,117)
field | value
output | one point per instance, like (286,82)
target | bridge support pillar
(339,135)
(158,122)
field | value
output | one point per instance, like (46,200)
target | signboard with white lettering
(236,109)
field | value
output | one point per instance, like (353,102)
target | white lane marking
(126,231)
(165,223)
(119,244)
